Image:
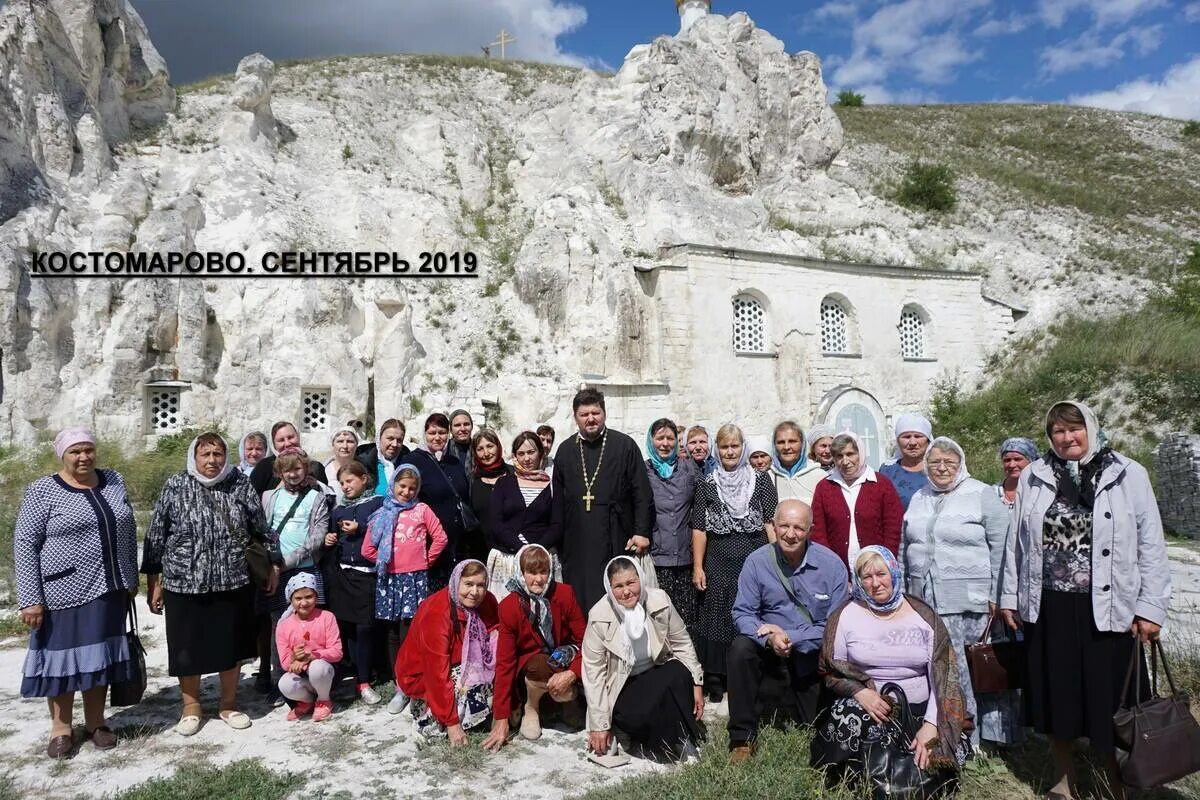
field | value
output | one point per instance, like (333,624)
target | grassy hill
(1133,181)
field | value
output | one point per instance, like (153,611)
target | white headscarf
(242,466)
(734,486)
(1096,437)
(864,471)
(633,620)
(945,443)
(195,473)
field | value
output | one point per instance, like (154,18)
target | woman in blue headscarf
(1016,454)
(796,477)
(882,636)
(673,485)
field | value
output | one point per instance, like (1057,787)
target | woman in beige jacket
(640,671)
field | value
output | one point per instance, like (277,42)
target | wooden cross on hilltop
(502,40)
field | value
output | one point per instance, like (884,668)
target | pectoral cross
(587,501)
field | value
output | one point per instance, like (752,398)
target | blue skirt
(79,648)
(397,596)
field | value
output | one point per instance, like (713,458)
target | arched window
(912,334)
(835,326)
(749,325)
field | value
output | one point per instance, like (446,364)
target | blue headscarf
(802,462)
(382,524)
(1019,444)
(664,467)
(709,464)
(859,593)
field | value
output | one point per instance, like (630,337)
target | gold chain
(588,497)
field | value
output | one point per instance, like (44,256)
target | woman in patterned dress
(75,548)
(1085,567)
(731,518)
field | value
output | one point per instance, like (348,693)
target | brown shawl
(844,679)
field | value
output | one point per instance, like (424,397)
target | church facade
(755,337)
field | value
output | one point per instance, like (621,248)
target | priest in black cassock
(602,500)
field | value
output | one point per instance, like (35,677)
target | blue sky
(1128,54)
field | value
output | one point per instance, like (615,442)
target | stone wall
(1177,460)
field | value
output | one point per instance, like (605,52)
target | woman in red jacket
(541,631)
(854,506)
(448,662)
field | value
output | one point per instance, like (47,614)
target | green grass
(11,626)
(144,474)
(241,780)
(1136,370)
(780,770)
(1085,159)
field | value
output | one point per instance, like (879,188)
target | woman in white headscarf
(1085,567)
(253,447)
(952,548)
(731,518)
(196,571)
(345,442)
(640,672)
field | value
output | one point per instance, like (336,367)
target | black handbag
(1158,740)
(995,666)
(877,754)
(130,692)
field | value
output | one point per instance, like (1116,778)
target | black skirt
(1076,672)
(655,709)
(723,563)
(350,594)
(211,632)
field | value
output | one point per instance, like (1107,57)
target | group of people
(632,588)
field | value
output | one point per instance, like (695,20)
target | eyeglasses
(944,464)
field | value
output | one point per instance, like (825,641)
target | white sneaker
(369,696)
(398,703)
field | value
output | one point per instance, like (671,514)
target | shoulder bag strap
(1157,652)
(986,636)
(787,585)
(291,512)
(1133,673)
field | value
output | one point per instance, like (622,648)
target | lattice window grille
(834,338)
(314,406)
(164,410)
(912,335)
(749,322)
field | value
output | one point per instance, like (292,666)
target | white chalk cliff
(561,180)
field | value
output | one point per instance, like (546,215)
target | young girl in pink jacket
(309,645)
(403,538)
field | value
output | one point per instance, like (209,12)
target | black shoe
(715,695)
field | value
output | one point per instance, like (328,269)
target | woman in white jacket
(640,671)
(1085,568)
(952,548)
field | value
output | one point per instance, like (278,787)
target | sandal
(102,738)
(188,725)
(235,719)
(61,746)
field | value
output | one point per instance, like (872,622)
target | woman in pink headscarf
(447,664)
(75,548)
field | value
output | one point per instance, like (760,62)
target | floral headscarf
(478,651)
(539,604)
(735,486)
(859,592)
(382,524)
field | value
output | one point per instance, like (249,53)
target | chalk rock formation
(251,118)
(76,77)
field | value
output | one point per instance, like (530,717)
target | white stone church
(758,337)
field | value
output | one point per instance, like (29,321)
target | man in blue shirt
(785,593)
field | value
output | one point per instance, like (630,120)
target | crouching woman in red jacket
(855,506)
(541,631)
(448,662)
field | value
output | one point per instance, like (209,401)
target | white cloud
(1004,27)
(834,10)
(1176,95)
(921,36)
(1090,50)
(1191,12)
(1105,12)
